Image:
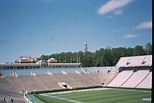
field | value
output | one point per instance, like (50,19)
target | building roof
(52,59)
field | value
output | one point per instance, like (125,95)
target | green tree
(44,57)
(148,48)
(138,50)
(102,57)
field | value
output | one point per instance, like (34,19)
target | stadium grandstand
(129,72)
(134,72)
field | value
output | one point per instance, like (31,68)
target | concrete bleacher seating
(134,61)
(77,80)
(141,78)
(125,78)
(101,69)
(46,82)
(134,72)
(101,78)
(93,77)
(67,78)
(15,82)
(108,77)
(121,78)
(8,92)
(147,82)
(136,78)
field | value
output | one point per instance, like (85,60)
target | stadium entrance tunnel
(64,85)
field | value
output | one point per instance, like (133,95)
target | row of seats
(144,60)
(47,82)
(129,78)
(8,93)
(11,85)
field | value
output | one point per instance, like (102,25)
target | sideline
(74,101)
(72,91)
(93,89)
(132,90)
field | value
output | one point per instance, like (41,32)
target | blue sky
(36,27)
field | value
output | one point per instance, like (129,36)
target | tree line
(102,57)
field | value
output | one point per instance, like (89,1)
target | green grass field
(98,96)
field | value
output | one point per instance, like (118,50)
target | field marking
(93,89)
(63,92)
(146,99)
(131,90)
(74,101)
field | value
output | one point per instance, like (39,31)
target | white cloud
(144,25)
(118,12)
(112,5)
(131,35)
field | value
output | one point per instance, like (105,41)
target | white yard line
(74,101)
(78,90)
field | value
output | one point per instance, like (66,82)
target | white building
(26,59)
(52,60)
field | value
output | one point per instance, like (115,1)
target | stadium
(129,81)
